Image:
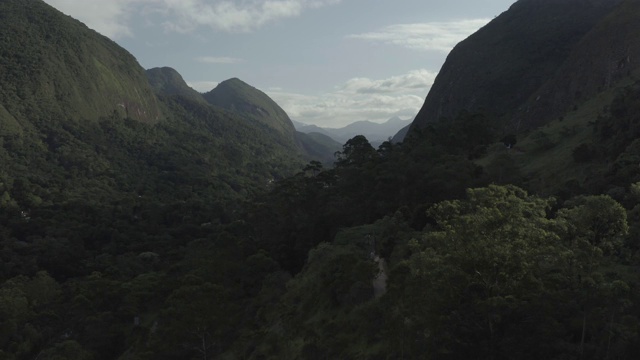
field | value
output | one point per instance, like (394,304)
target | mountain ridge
(495,71)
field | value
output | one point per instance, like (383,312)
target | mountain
(241,98)
(498,68)
(310,128)
(604,58)
(244,100)
(167,81)
(401,134)
(558,100)
(63,68)
(184,237)
(374,132)
(318,146)
(79,115)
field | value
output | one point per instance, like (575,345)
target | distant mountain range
(376,133)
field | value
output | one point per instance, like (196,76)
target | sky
(325,62)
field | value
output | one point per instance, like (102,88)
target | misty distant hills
(318,146)
(376,133)
(401,134)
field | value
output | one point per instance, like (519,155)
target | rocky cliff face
(499,68)
(607,55)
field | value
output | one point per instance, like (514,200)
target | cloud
(218,60)
(113,17)
(414,80)
(433,36)
(110,18)
(359,99)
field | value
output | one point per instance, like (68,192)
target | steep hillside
(310,128)
(499,67)
(318,146)
(605,56)
(241,98)
(78,116)
(167,81)
(52,65)
(400,135)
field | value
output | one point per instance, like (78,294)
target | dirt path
(380,281)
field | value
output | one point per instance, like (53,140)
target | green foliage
(469,134)
(365,185)
(186,237)
(355,152)
(621,125)
(542,140)
(318,146)
(503,169)
(497,259)
(500,274)
(583,153)
(64,69)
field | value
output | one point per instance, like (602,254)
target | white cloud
(433,36)
(112,18)
(359,99)
(218,60)
(414,80)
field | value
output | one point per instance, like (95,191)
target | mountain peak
(167,81)
(234,81)
(237,96)
(233,84)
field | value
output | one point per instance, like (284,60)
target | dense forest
(98,267)
(204,232)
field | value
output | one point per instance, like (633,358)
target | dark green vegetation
(237,96)
(50,64)
(192,236)
(168,82)
(318,146)
(248,105)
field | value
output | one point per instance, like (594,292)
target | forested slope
(53,66)
(185,238)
